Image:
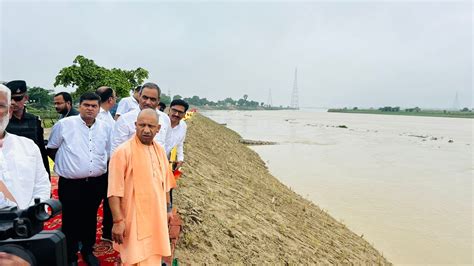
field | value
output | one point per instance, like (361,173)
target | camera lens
(47,209)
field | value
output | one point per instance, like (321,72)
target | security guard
(23,123)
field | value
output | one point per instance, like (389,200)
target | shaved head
(149,112)
(147,125)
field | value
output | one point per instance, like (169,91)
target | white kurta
(177,136)
(125,128)
(126,105)
(22,170)
(106,117)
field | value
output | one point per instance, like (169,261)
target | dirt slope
(234,211)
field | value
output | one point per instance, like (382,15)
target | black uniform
(29,126)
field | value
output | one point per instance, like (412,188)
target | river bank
(235,211)
(409,112)
(240,108)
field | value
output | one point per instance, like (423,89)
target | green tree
(203,101)
(195,100)
(40,98)
(252,104)
(177,96)
(86,76)
(165,99)
(229,101)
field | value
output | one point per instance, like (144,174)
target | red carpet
(103,250)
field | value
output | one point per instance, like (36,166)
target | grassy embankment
(433,113)
(234,211)
(48,117)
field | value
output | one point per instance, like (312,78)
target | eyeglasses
(177,111)
(17,98)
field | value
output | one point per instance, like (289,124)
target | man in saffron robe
(139,184)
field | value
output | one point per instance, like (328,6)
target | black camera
(22,234)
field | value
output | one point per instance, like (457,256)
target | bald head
(149,112)
(147,125)
(107,97)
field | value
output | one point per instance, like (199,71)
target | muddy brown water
(405,183)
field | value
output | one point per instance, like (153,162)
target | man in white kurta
(79,146)
(128,104)
(107,101)
(178,130)
(124,127)
(22,172)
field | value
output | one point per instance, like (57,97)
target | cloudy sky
(348,53)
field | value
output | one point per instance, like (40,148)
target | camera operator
(22,174)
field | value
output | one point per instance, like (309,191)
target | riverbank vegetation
(243,103)
(415,111)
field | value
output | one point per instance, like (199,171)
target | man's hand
(118,229)
(179,164)
(6,192)
(12,260)
(118,232)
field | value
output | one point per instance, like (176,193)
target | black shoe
(90,259)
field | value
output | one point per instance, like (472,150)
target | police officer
(23,123)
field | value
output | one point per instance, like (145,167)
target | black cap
(16,86)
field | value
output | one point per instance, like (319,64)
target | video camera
(22,234)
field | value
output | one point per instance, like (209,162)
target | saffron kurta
(137,248)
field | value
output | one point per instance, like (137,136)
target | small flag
(177,173)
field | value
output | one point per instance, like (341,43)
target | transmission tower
(169,94)
(294,95)
(269,101)
(456,102)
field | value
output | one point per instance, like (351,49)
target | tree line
(86,76)
(398,109)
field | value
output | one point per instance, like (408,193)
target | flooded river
(404,183)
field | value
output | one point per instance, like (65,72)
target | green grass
(48,123)
(48,117)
